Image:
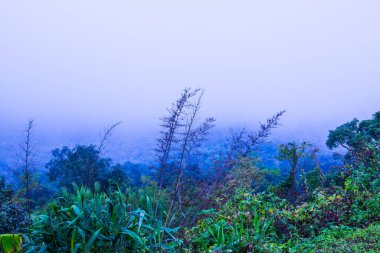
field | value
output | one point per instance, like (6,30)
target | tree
(26,172)
(314,178)
(243,142)
(240,147)
(293,154)
(181,134)
(81,165)
(116,175)
(135,172)
(361,139)
(166,143)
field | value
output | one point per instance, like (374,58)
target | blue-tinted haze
(77,66)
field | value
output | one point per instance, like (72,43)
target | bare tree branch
(107,135)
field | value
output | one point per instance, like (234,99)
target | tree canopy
(81,165)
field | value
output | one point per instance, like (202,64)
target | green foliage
(10,243)
(12,218)
(247,175)
(311,211)
(308,218)
(342,239)
(314,179)
(346,135)
(116,175)
(294,154)
(352,134)
(6,192)
(242,224)
(360,138)
(82,165)
(99,222)
(12,215)
(265,223)
(356,204)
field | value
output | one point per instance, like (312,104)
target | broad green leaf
(10,243)
(91,241)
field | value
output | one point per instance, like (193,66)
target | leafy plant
(342,239)
(242,224)
(10,243)
(98,222)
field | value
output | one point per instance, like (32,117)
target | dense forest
(198,196)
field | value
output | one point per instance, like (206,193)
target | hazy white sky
(70,63)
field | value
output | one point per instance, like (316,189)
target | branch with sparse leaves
(107,135)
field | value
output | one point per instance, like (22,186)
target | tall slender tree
(293,154)
(181,135)
(26,165)
(170,124)
(192,136)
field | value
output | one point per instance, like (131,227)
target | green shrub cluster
(342,239)
(88,221)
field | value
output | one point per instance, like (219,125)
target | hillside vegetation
(192,200)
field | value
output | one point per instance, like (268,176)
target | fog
(78,66)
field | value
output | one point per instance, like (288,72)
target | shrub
(342,239)
(99,222)
(242,224)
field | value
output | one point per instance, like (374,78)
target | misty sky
(87,64)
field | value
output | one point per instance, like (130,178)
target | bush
(12,215)
(99,222)
(242,224)
(342,239)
